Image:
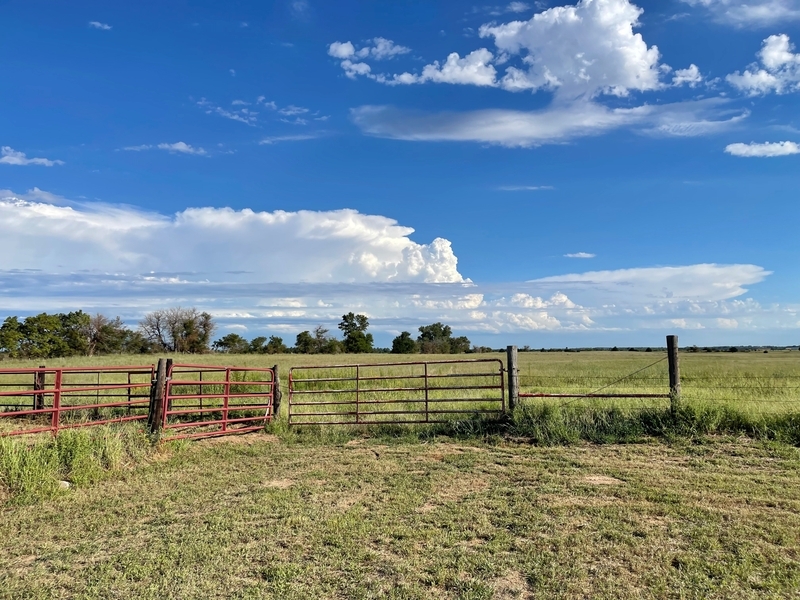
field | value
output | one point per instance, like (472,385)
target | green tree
(304,343)
(275,345)
(11,337)
(404,344)
(437,338)
(232,343)
(356,338)
(258,345)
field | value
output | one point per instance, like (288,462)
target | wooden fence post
(674,374)
(38,384)
(513,377)
(157,389)
(276,392)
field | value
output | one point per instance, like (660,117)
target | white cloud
(557,123)
(180,147)
(99,25)
(585,49)
(276,139)
(768,149)
(292,110)
(525,188)
(690,76)
(378,49)
(473,69)
(751,13)
(727,323)
(580,255)
(518,7)
(9,156)
(703,282)
(382,49)
(243,115)
(341,50)
(342,245)
(779,71)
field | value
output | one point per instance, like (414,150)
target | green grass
(257,517)
(31,468)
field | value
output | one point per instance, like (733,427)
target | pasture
(535,508)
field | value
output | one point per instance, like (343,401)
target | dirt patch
(511,585)
(242,439)
(454,490)
(280,484)
(602,480)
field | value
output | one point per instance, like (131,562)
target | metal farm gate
(203,400)
(51,399)
(395,393)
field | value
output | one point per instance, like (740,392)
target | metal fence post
(513,377)
(276,392)
(674,374)
(157,389)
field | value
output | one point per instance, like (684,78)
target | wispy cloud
(580,255)
(99,25)
(289,138)
(766,150)
(300,8)
(180,147)
(525,188)
(242,115)
(9,156)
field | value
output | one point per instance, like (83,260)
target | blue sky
(538,173)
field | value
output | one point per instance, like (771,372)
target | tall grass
(33,469)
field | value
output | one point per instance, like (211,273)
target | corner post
(674,374)
(276,392)
(513,377)
(157,389)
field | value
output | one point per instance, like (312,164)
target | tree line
(187,330)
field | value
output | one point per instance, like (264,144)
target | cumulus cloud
(179,147)
(580,255)
(474,69)
(690,76)
(9,156)
(342,245)
(557,123)
(99,25)
(778,72)
(586,49)
(574,51)
(352,60)
(768,149)
(750,13)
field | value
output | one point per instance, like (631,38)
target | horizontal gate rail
(203,401)
(395,393)
(44,399)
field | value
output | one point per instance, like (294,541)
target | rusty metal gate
(393,393)
(203,400)
(51,399)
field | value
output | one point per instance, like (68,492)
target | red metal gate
(389,393)
(203,400)
(41,400)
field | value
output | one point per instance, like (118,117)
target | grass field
(256,517)
(704,504)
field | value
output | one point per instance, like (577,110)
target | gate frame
(499,373)
(166,402)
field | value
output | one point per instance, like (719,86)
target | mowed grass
(258,517)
